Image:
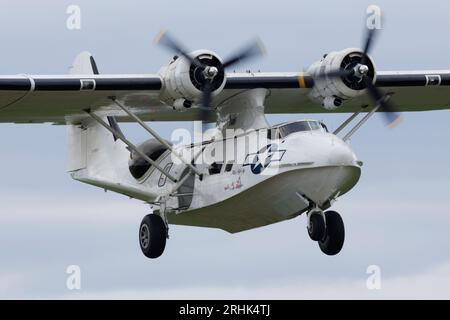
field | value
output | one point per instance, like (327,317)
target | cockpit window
(314,125)
(294,127)
(300,126)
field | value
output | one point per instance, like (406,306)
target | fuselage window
(139,166)
(215,168)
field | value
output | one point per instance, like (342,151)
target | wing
(62,99)
(410,91)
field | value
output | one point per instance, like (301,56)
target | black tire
(152,236)
(335,234)
(316,229)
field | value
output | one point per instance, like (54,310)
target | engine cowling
(183,80)
(332,92)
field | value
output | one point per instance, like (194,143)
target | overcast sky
(396,218)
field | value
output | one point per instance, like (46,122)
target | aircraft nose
(334,168)
(344,168)
(341,154)
(323,150)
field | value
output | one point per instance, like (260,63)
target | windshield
(300,126)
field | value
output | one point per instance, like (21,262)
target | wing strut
(157,136)
(346,123)
(360,123)
(121,137)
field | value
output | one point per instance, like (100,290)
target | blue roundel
(262,159)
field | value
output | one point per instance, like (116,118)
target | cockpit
(283,130)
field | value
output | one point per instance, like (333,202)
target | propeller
(392,117)
(209,73)
(370,37)
(361,73)
(377,95)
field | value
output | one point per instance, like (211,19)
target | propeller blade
(373,91)
(392,117)
(164,39)
(369,40)
(206,101)
(254,49)
(371,33)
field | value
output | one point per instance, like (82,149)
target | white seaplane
(247,174)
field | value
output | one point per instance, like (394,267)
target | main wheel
(335,234)
(152,236)
(316,228)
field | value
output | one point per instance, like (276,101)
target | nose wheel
(328,230)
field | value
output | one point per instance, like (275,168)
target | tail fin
(92,147)
(89,131)
(84,64)
(95,156)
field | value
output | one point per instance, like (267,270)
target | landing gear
(333,241)
(327,229)
(152,236)
(316,225)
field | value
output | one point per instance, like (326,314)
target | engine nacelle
(332,92)
(183,80)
